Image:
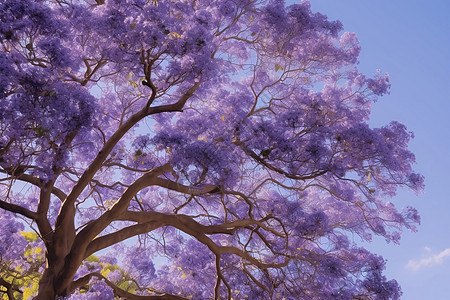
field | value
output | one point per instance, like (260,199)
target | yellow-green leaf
(105,272)
(92,258)
(28,252)
(278,67)
(35,286)
(129,75)
(27,293)
(174,35)
(30,236)
(110,203)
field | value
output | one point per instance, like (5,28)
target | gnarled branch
(118,291)
(18,210)
(9,288)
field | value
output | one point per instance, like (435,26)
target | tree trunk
(47,289)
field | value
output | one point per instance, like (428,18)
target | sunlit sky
(410,39)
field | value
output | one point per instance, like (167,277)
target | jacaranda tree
(195,149)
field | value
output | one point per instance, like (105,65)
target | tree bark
(46,288)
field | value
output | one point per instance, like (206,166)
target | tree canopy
(196,149)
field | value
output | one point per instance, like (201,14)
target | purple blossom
(227,8)
(13,242)
(380,84)
(206,149)
(115,275)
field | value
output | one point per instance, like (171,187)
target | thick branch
(149,221)
(9,290)
(177,106)
(121,235)
(94,228)
(97,226)
(68,205)
(37,182)
(185,222)
(64,228)
(89,73)
(45,228)
(118,211)
(118,291)
(189,226)
(190,190)
(18,210)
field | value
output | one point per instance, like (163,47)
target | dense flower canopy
(196,149)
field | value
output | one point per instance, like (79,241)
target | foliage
(192,149)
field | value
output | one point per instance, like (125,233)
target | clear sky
(410,39)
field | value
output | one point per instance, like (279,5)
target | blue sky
(410,39)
